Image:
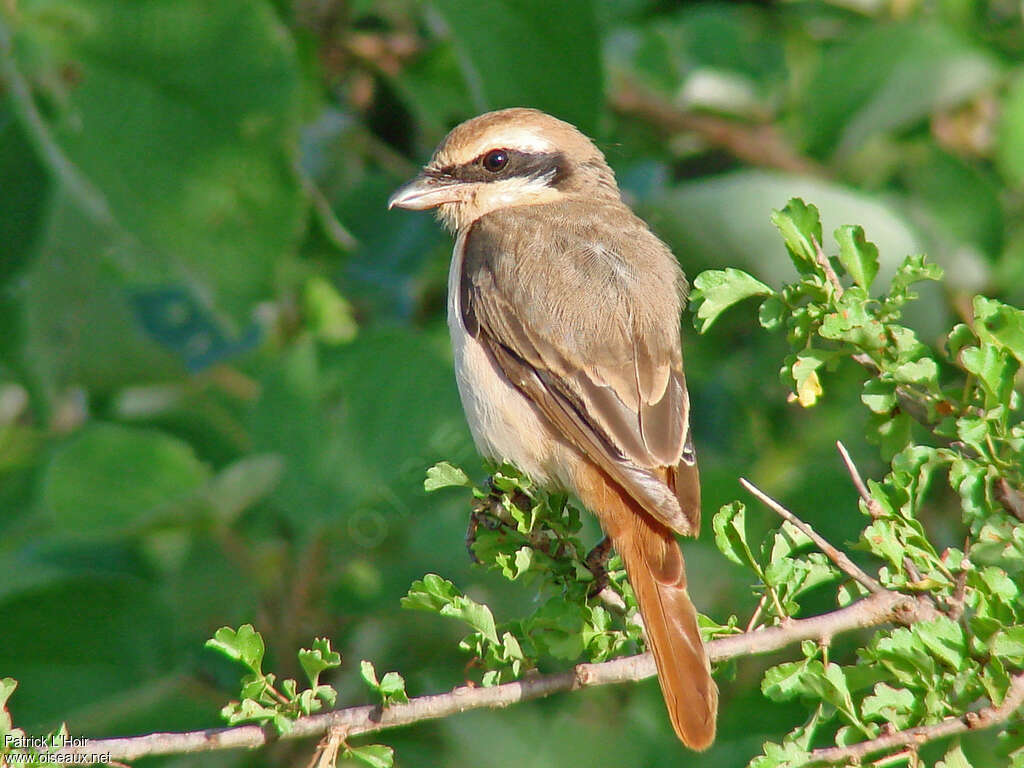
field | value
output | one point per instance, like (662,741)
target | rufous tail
(654,564)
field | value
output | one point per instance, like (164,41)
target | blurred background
(224,368)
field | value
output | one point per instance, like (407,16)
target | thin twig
(872,611)
(912,737)
(845,564)
(826,265)
(50,152)
(955,607)
(758,144)
(757,612)
(335,231)
(874,508)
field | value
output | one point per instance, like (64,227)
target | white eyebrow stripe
(513,138)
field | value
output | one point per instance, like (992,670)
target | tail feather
(655,567)
(654,564)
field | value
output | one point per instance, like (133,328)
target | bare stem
(874,508)
(876,609)
(913,737)
(760,144)
(826,265)
(845,564)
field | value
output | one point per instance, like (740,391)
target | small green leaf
(955,758)
(853,324)
(995,369)
(717,290)
(318,659)
(445,475)
(771,313)
(7,687)
(858,256)
(879,396)
(800,226)
(290,688)
(431,593)
(392,686)
(243,483)
(914,269)
(961,336)
(783,682)
(245,645)
(888,704)
(328,313)
(475,615)
(730,529)
(373,755)
(439,595)
(1000,324)
(369,674)
(944,638)
(1009,644)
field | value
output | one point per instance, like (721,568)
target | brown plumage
(564,315)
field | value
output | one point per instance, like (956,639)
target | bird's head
(507,158)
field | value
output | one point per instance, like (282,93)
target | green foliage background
(224,367)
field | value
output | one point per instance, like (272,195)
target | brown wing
(551,293)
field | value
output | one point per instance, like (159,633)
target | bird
(564,316)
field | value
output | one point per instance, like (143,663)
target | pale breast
(504,425)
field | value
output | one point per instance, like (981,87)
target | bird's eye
(495,160)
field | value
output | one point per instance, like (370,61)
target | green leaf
(1000,324)
(800,226)
(439,595)
(328,313)
(783,682)
(319,658)
(879,396)
(1010,139)
(431,593)
(244,483)
(887,77)
(474,614)
(729,525)
(373,755)
(109,477)
(444,475)
(853,324)
(7,687)
(894,705)
(858,256)
(392,686)
(369,674)
(955,758)
(244,645)
(717,290)
(536,40)
(945,639)
(771,313)
(959,337)
(1008,644)
(190,137)
(995,369)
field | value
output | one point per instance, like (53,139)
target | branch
(914,737)
(845,564)
(880,608)
(49,151)
(874,508)
(757,144)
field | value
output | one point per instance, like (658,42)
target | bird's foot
(597,564)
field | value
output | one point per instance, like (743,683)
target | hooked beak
(423,192)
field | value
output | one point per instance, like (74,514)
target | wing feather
(607,375)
